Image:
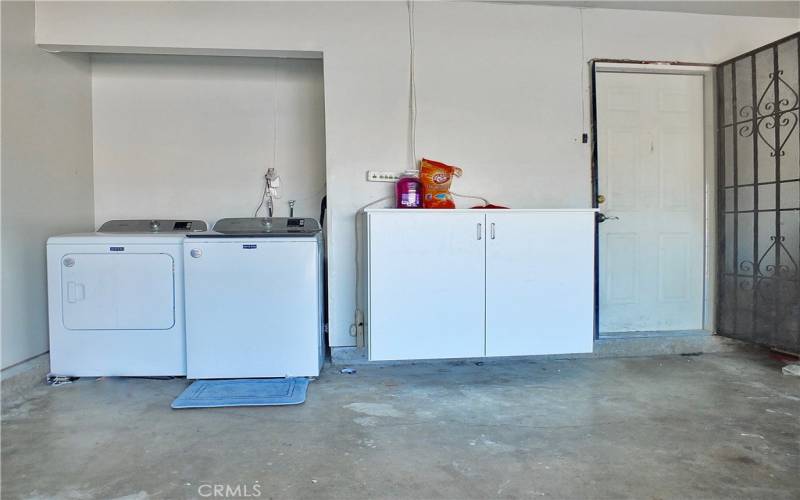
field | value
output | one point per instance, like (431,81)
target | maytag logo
(249,246)
(117,249)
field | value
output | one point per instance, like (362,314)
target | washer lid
(267,226)
(153,226)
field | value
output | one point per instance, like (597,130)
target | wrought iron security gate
(758,141)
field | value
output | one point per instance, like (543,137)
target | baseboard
(607,347)
(654,334)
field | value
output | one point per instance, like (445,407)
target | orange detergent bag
(436,178)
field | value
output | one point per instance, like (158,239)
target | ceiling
(758,8)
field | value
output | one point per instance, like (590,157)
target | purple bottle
(408,191)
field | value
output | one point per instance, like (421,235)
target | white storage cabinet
(473,283)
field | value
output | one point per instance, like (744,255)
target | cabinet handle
(479,230)
(492,230)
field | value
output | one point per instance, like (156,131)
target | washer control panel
(267,226)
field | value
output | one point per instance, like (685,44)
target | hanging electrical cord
(272,182)
(275,116)
(484,200)
(271,178)
(355,326)
(263,196)
(412,152)
(412,87)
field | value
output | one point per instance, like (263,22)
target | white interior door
(426,285)
(651,173)
(539,283)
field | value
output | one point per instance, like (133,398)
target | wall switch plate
(378,176)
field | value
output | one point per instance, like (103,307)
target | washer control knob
(154,225)
(196,253)
(69,262)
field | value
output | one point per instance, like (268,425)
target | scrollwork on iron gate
(759,195)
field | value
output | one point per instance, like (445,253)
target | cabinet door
(539,283)
(426,276)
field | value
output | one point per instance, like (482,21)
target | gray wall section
(46,172)
(191,136)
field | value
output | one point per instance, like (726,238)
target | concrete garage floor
(709,426)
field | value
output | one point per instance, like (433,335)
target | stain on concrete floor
(710,426)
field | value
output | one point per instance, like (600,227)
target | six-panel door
(539,283)
(650,147)
(426,285)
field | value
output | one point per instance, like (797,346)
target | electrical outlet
(377,176)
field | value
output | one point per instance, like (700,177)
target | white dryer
(116,299)
(254,299)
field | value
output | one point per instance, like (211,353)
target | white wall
(46,172)
(192,136)
(500,86)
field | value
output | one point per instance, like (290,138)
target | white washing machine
(254,299)
(116,299)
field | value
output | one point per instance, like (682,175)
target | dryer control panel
(153,226)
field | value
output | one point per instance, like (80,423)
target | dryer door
(126,291)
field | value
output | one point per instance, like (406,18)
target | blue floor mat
(243,392)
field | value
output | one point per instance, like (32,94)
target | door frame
(710,238)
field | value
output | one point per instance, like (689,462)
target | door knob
(603,217)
